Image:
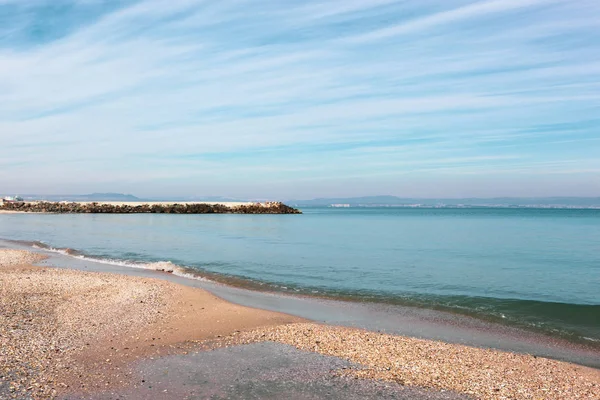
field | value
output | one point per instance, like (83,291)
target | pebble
(42,334)
(483,373)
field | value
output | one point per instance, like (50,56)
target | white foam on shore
(591,339)
(159,266)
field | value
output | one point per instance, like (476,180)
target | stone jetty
(147,208)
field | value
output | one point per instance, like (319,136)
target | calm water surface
(538,268)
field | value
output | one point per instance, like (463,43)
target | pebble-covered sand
(11,258)
(65,331)
(49,316)
(481,373)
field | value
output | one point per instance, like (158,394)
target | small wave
(45,247)
(161,266)
(574,322)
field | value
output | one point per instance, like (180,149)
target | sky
(300,99)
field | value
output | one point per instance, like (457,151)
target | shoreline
(155,319)
(418,322)
(223,281)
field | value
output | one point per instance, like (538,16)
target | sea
(537,269)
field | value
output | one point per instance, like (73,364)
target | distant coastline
(555,202)
(473,202)
(467,206)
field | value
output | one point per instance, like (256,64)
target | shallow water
(538,268)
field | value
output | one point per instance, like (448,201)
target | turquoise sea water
(536,268)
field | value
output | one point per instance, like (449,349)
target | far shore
(94,327)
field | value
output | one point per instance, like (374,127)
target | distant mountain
(110,197)
(125,197)
(366,201)
(83,197)
(373,201)
(211,199)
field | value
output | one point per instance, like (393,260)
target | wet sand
(264,370)
(89,335)
(481,373)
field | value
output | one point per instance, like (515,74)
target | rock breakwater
(162,208)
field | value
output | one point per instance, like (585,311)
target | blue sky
(300,99)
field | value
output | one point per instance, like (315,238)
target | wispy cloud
(432,21)
(240,97)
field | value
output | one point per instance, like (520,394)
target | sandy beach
(73,334)
(63,330)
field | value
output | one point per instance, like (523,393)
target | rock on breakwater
(157,208)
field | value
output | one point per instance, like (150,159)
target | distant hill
(212,199)
(365,201)
(373,201)
(83,197)
(124,197)
(110,197)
